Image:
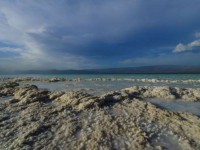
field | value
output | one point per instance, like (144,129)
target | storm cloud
(66,34)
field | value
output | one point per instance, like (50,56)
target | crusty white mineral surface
(40,119)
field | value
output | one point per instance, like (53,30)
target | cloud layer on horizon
(67,34)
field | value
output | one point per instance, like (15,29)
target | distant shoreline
(124,70)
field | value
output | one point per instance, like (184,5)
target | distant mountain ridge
(124,70)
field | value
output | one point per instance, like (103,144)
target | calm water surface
(133,76)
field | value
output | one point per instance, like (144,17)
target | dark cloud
(100,33)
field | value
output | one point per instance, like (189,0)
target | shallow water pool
(3,99)
(177,105)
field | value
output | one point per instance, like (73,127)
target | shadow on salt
(177,105)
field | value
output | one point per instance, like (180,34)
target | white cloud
(18,20)
(181,48)
(10,49)
(188,47)
(45,31)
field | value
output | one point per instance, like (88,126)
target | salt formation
(40,119)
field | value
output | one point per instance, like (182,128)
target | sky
(80,34)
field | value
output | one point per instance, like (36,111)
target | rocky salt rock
(190,94)
(160,92)
(164,92)
(56,79)
(55,94)
(112,97)
(77,100)
(116,120)
(22,79)
(7,89)
(30,94)
(196,92)
(10,85)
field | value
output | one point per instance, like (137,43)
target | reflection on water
(177,105)
(2,99)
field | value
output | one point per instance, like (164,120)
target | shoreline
(58,79)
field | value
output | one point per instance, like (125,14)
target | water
(3,99)
(177,105)
(100,87)
(132,76)
(91,87)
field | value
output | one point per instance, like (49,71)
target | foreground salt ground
(41,119)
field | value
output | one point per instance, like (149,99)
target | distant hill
(127,70)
